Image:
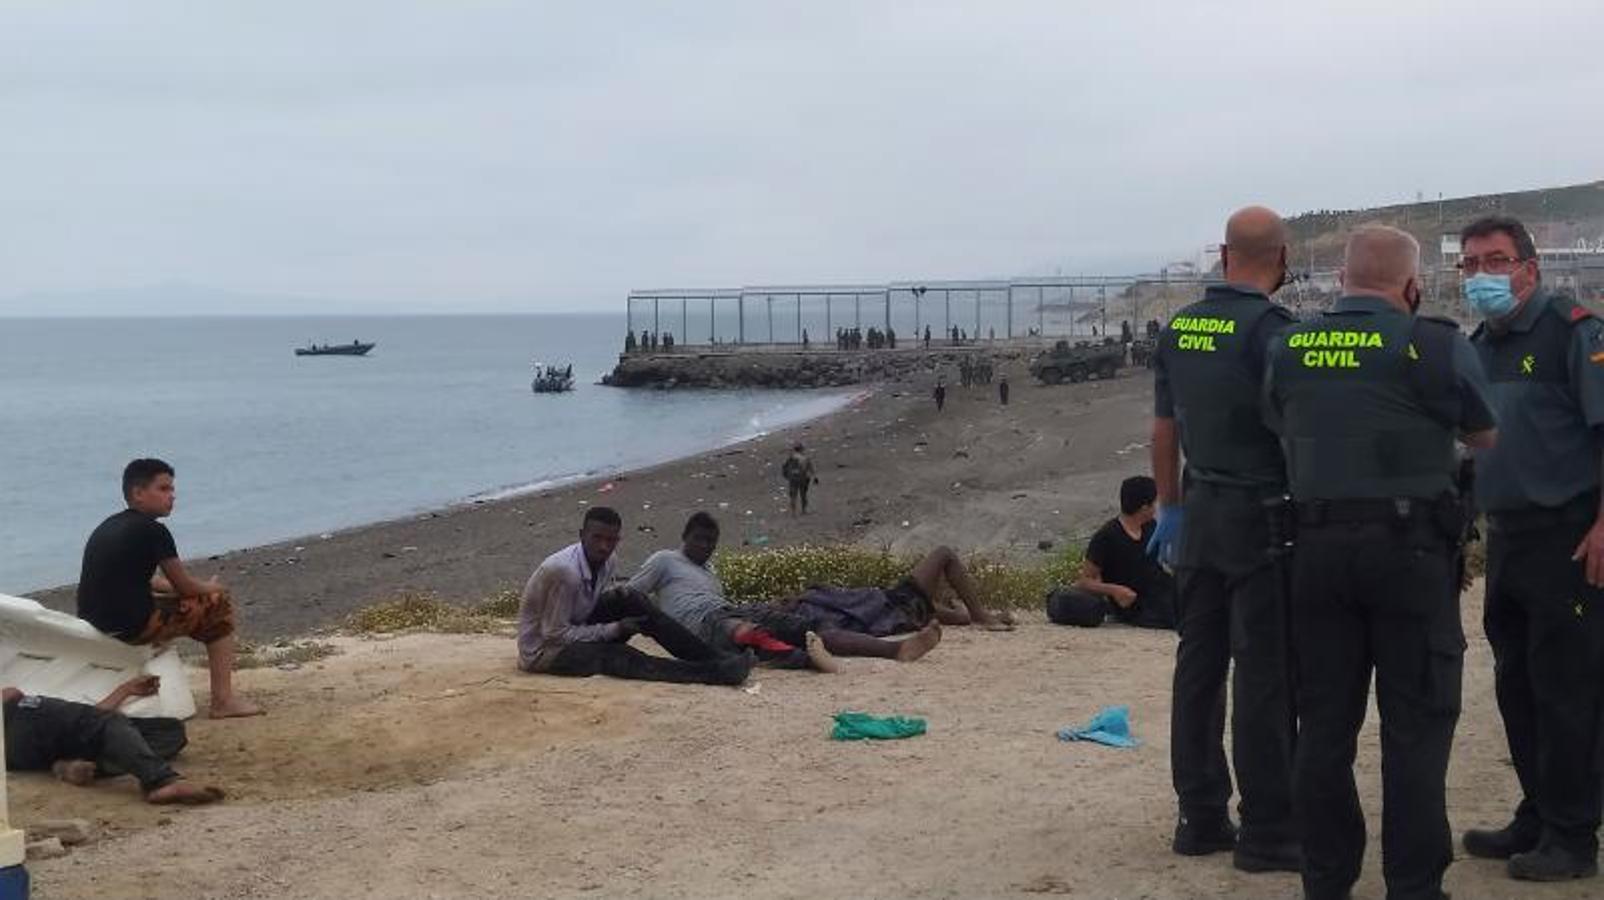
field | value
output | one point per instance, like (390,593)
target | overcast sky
(397,156)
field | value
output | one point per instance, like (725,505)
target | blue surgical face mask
(1489,296)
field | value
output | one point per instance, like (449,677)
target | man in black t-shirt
(134,588)
(1117,570)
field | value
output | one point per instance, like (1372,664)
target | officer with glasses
(1539,488)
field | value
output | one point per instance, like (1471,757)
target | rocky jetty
(797,369)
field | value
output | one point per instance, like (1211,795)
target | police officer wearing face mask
(1544,612)
(1369,401)
(1208,368)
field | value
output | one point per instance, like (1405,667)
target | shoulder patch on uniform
(1579,312)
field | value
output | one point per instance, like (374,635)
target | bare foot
(820,657)
(235,708)
(992,621)
(181,791)
(923,641)
(74,771)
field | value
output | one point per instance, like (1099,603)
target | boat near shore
(551,379)
(355,348)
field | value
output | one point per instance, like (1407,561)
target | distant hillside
(1558,217)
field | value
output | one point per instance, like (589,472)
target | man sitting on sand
(1117,571)
(571,623)
(79,742)
(134,588)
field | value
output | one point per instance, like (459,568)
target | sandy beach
(426,766)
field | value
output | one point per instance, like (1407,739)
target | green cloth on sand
(856,726)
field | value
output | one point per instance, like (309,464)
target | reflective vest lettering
(1330,359)
(1203,343)
(1203,324)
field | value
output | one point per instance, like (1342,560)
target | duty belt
(1344,512)
(1576,511)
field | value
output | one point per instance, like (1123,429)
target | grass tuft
(766,575)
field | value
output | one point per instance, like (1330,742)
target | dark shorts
(907,596)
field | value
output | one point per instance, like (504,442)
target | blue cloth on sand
(1111,725)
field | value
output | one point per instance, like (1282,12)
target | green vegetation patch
(764,575)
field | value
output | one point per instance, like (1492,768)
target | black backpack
(1067,606)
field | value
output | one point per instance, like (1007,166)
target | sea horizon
(271,447)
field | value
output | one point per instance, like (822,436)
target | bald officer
(1208,367)
(1545,550)
(1369,401)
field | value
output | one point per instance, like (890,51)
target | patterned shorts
(204,617)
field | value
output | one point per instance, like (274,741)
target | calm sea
(269,446)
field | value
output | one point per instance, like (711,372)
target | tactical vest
(1353,389)
(1215,377)
(1547,454)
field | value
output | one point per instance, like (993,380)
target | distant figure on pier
(629,341)
(804,339)
(952,335)
(927,337)
(1153,329)
(1002,390)
(891,338)
(668,342)
(1125,333)
(941,395)
(645,341)
(991,334)
(654,342)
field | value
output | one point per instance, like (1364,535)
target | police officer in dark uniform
(1208,368)
(1369,402)
(1544,611)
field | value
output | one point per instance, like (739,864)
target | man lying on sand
(79,742)
(571,623)
(134,588)
(909,605)
(840,621)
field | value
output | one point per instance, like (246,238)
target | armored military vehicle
(1083,361)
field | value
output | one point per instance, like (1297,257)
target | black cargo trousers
(1546,628)
(1375,595)
(1230,606)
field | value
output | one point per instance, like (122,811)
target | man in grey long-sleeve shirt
(571,623)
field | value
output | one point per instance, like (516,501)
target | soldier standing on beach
(1544,614)
(1369,400)
(940,394)
(1207,378)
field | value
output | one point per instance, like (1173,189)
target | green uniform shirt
(1546,366)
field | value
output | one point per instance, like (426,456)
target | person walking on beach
(570,622)
(799,475)
(78,742)
(927,337)
(1370,432)
(134,587)
(1544,616)
(941,395)
(1002,390)
(1206,384)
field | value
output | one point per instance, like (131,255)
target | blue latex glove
(1165,545)
(1111,725)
